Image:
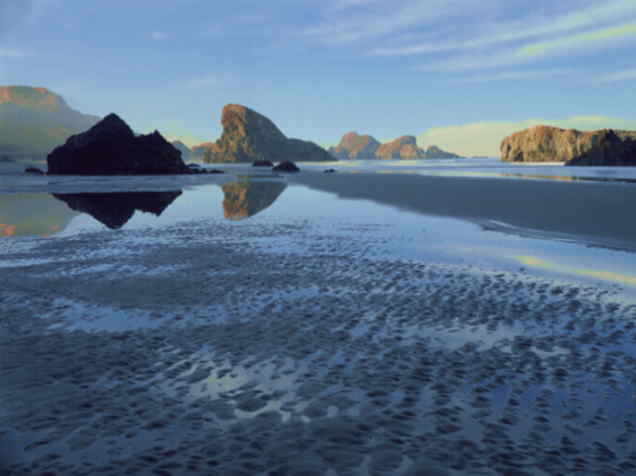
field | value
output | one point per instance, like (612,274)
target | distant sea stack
(404,147)
(181,147)
(249,136)
(33,121)
(199,151)
(111,148)
(356,146)
(551,144)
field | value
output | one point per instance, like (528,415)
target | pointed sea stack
(111,148)
(249,136)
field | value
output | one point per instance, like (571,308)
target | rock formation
(115,209)
(111,148)
(286,166)
(200,151)
(35,120)
(551,144)
(246,198)
(249,136)
(355,146)
(181,147)
(434,152)
(404,147)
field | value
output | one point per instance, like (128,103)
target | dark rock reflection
(115,209)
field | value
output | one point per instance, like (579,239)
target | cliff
(111,148)
(249,136)
(551,144)
(355,146)
(35,120)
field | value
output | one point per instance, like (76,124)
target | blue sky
(461,73)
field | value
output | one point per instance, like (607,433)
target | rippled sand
(206,348)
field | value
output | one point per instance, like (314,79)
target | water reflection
(32,214)
(115,209)
(246,198)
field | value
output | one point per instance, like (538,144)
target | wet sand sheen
(594,211)
(279,347)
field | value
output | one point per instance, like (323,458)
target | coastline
(593,212)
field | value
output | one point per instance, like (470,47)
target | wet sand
(281,349)
(596,212)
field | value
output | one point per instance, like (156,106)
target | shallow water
(250,325)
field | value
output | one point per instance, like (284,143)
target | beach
(346,324)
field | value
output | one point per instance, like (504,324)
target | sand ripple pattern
(208,348)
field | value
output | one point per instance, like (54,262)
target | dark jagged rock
(111,148)
(34,171)
(286,166)
(262,163)
(249,136)
(356,146)
(115,209)
(330,171)
(552,144)
(246,198)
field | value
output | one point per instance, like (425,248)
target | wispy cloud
(523,29)
(516,75)
(386,17)
(626,75)
(582,40)
(158,35)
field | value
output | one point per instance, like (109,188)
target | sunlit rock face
(33,121)
(249,136)
(551,144)
(111,148)
(115,209)
(246,198)
(404,147)
(32,214)
(356,146)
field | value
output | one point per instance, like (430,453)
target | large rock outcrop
(249,136)
(33,121)
(111,148)
(201,150)
(552,144)
(115,209)
(356,146)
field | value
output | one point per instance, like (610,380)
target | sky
(461,74)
